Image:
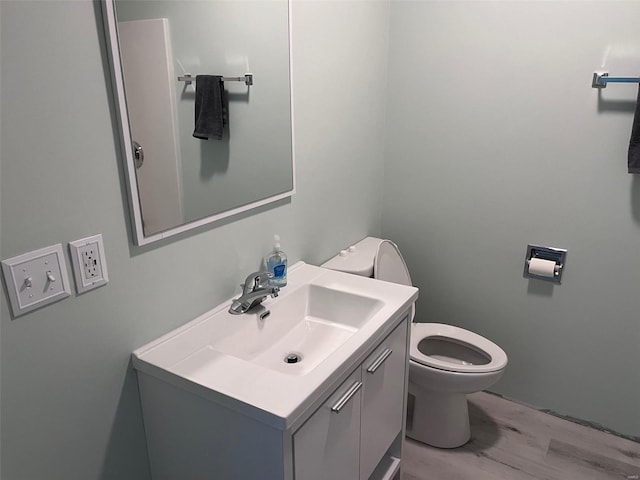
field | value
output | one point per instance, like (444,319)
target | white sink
(322,316)
(300,331)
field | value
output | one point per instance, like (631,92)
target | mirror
(176,181)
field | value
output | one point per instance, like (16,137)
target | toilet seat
(496,358)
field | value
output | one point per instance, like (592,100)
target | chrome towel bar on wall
(600,80)
(247,78)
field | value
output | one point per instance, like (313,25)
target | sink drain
(292,358)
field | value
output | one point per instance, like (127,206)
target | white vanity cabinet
(352,432)
(221,399)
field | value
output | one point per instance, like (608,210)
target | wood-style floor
(513,442)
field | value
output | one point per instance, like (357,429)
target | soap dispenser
(277,264)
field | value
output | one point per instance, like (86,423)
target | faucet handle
(262,277)
(256,280)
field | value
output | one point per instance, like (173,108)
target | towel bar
(247,78)
(600,80)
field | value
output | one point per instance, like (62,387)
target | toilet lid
(391,267)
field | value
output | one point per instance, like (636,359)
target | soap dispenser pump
(277,264)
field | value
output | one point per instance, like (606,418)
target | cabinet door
(383,377)
(326,447)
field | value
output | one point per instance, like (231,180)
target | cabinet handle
(346,397)
(379,361)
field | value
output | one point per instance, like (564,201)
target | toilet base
(438,419)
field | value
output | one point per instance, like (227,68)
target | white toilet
(446,362)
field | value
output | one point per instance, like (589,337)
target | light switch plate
(36,279)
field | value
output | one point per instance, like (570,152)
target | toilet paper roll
(541,267)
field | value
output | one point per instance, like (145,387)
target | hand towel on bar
(209,108)
(634,143)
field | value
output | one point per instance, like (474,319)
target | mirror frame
(126,148)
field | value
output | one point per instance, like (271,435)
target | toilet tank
(358,259)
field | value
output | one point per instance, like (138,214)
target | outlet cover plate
(36,279)
(89,263)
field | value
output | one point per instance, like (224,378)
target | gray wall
(500,141)
(70,407)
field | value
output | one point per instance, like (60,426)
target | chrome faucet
(254,290)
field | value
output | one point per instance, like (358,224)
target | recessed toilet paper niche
(545,263)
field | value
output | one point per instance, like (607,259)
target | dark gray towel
(210,107)
(634,143)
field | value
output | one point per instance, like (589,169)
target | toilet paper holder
(556,255)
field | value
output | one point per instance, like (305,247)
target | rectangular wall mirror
(175,181)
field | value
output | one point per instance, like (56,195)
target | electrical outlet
(89,263)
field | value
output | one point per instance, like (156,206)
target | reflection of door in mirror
(147,66)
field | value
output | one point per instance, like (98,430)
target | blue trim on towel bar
(621,79)
(600,80)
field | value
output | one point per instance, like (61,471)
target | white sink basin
(322,316)
(303,329)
